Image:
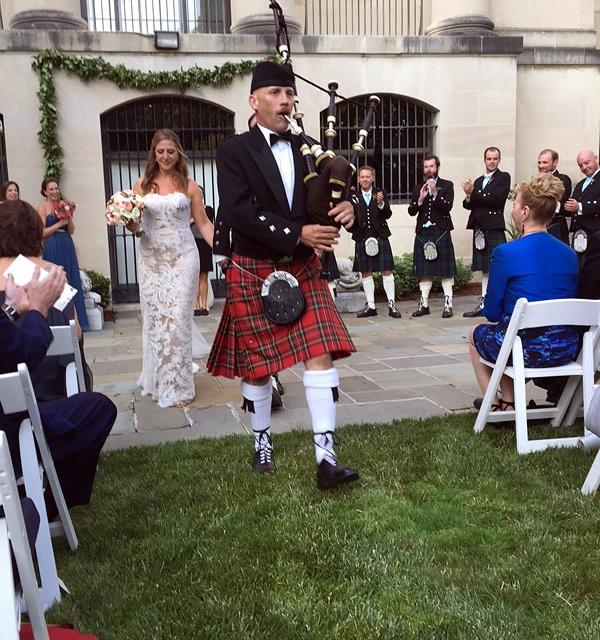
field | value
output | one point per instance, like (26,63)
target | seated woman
(537,267)
(21,232)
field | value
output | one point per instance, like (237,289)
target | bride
(168,268)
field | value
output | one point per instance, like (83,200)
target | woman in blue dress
(58,245)
(537,266)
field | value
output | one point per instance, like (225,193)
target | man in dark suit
(584,205)
(262,200)
(433,253)
(547,163)
(76,427)
(371,232)
(222,251)
(485,199)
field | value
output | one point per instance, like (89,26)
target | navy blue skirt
(542,347)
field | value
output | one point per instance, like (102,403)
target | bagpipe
(328,177)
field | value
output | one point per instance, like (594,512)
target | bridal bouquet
(124,207)
(64,209)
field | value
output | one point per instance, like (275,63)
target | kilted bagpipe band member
(433,253)
(548,163)
(278,310)
(584,204)
(371,234)
(485,199)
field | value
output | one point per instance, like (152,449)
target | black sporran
(283,301)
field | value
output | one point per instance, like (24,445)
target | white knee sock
(447,284)
(425,287)
(484,282)
(319,387)
(369,287)
(389,287)
(257,399)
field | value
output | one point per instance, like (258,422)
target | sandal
(506,406)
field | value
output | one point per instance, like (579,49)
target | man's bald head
(588,162)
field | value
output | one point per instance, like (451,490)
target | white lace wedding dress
(168,270)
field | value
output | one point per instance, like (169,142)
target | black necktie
(286,135)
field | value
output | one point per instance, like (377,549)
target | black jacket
(372,214)
(487,205)
(433,210)
(252,200)
(566,195)
(589,218)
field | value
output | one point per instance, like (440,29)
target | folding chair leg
(592,480)
(50,590)
(8,609)
(48,463)
(20,545)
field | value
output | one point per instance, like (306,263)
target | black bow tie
(286,135)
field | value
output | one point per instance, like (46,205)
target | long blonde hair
(181,170)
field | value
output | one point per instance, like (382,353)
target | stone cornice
(82,42)
(557,57)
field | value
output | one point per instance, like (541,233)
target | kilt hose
(559,229)
(383,261)
(444,265)
(249,345)
(481,259)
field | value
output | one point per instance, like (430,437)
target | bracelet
(11,312)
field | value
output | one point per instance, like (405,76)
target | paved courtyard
(406,368)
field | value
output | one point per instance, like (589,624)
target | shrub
(100,285)
(406,282)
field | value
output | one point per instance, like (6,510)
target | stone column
(253,16)
(460,18)
(48,15)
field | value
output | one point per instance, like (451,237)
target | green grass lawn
(448,534)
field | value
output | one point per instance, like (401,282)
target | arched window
(127,132)
(402,133)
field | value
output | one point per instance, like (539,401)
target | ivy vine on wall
(87,69)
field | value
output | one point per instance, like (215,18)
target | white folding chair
(13,534)
(65,342)
(592,480)
(573,312)
(16,396)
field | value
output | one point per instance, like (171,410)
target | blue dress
(60,250)
(536,267)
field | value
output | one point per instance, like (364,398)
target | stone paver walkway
(404,368)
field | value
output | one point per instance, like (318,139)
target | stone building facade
(522,75)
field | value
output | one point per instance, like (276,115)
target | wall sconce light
(166,40)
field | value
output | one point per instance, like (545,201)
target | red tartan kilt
(249,345)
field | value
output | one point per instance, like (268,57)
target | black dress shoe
(203,312)
(447,312)
(367,312)
(280,388)
(276,401)
(476,312)
(331,475)
(422,310)
(392,311)
(263,462)
(197,312)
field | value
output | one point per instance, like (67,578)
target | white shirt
(282,152)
